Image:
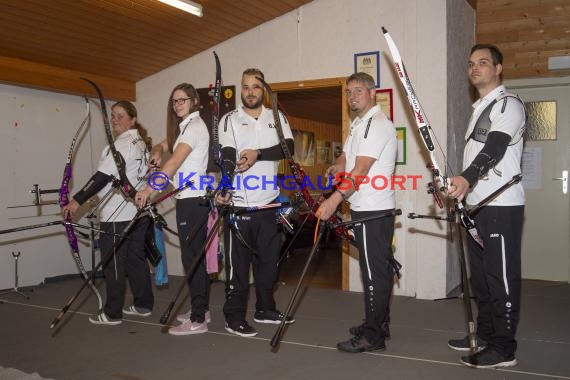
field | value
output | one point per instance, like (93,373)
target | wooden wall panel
(527,32)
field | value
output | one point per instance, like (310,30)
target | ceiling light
(185,5)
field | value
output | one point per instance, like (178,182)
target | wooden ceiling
(49,44)
(527,32)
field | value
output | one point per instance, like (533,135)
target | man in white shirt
(250,144)
(492,156)
(369,151)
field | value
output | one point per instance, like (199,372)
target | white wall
(316,41)
(319,40)
(37,129)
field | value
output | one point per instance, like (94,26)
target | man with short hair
(492,156)
(369,151)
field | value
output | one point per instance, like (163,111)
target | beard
(355,108)
(253,106)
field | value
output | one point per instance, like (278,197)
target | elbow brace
(492,152)
(98,181)
(275,153)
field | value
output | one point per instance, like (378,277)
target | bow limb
(64,200)
(427,136)
(216,113)
(128,190)
(225,211)
(420,117)
(227,177)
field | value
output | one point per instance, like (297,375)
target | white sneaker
(186,316)
(102,319)
(133,310)
(189,328)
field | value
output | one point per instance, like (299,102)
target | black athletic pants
(496,275)
(259,230)
(374,241)
(192,220)
(129,260)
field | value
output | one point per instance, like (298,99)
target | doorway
(546,229)
(315,109)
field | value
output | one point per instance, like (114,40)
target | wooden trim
(310,84)
(473,4)
(35,75)
(345,208)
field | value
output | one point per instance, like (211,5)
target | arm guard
(492,152)
(275,152)
(92,187)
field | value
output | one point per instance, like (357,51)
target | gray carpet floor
(140,349)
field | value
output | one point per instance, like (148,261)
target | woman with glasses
(187,140)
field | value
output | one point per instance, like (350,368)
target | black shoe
(463,344)
(242,329)
(359,344)
(488,358)
(357,330)
(271,316)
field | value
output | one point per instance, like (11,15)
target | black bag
(153,254)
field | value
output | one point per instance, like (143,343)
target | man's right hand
(223,200)
(458,188)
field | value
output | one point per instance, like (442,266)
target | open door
(323,101)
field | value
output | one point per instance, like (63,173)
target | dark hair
(172,120)
(363,78)
(131,110)
(495,52)
(253,71)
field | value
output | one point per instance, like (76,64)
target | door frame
(312,84)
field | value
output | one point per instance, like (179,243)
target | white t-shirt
(246,132)
(377,140)
(194,133)
(508,118)
(133,149)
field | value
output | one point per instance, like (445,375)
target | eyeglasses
(179,102)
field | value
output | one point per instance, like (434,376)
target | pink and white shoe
(189,328)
